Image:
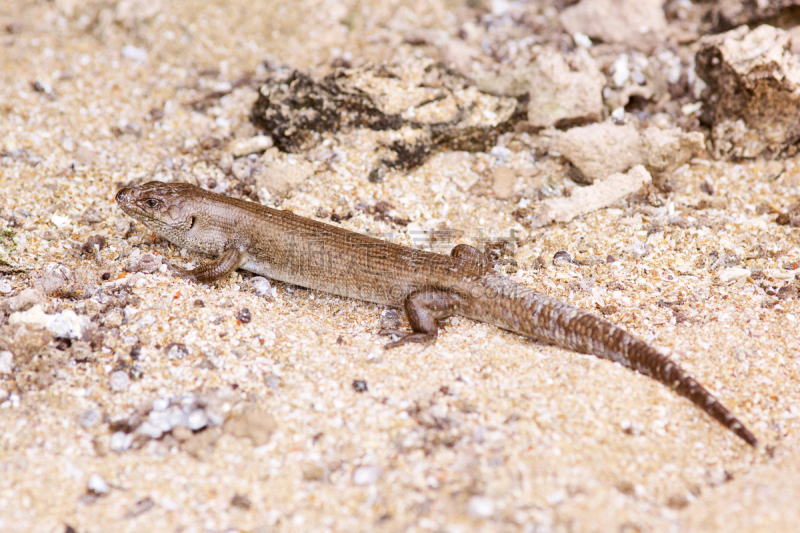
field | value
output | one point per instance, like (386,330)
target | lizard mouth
(126,199)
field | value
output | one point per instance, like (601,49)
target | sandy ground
(484,430)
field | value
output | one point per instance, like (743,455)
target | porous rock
(640,24)
(565,90)
(666,149)
(25,299)
(752,100)
(597,196)
(599,150)
(282,173)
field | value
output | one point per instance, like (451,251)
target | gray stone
(54,277)
(119,381)
(90,418)
(273,381)
(261,286)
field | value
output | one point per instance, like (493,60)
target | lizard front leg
(227,262)
(423,309)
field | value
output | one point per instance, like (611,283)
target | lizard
(428,286)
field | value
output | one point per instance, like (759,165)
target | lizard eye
(151,203)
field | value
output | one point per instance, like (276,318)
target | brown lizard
(428,286)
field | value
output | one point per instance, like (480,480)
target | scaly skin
(429,286)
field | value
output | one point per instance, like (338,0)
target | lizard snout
(122,195)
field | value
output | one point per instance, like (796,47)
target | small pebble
(197,420)
(480,507)
(561,258)
(366,475)
(150,430)
(177,350)
(6,362)
(5,287)
(390,319)
(273,381)
(119,381)
(26,299)
(68,325)
(147,263)
(133,53)
(226,163)
(97,485)
(54,277)
(359,385)
(244,315)
(94,244)
(242,502)
(114,318)
(121,441)
(160,404)
(90,418)
(640,249)
(253,145)
(261,286)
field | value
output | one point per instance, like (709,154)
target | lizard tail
(527,312)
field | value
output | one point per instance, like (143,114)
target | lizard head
(162,207)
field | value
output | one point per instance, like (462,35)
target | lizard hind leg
(423,309)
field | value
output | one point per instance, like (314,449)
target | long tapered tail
(530,313)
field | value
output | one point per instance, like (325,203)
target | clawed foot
(406,337)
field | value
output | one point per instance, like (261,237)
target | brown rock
(791,217)
(728,14)
(753,96)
